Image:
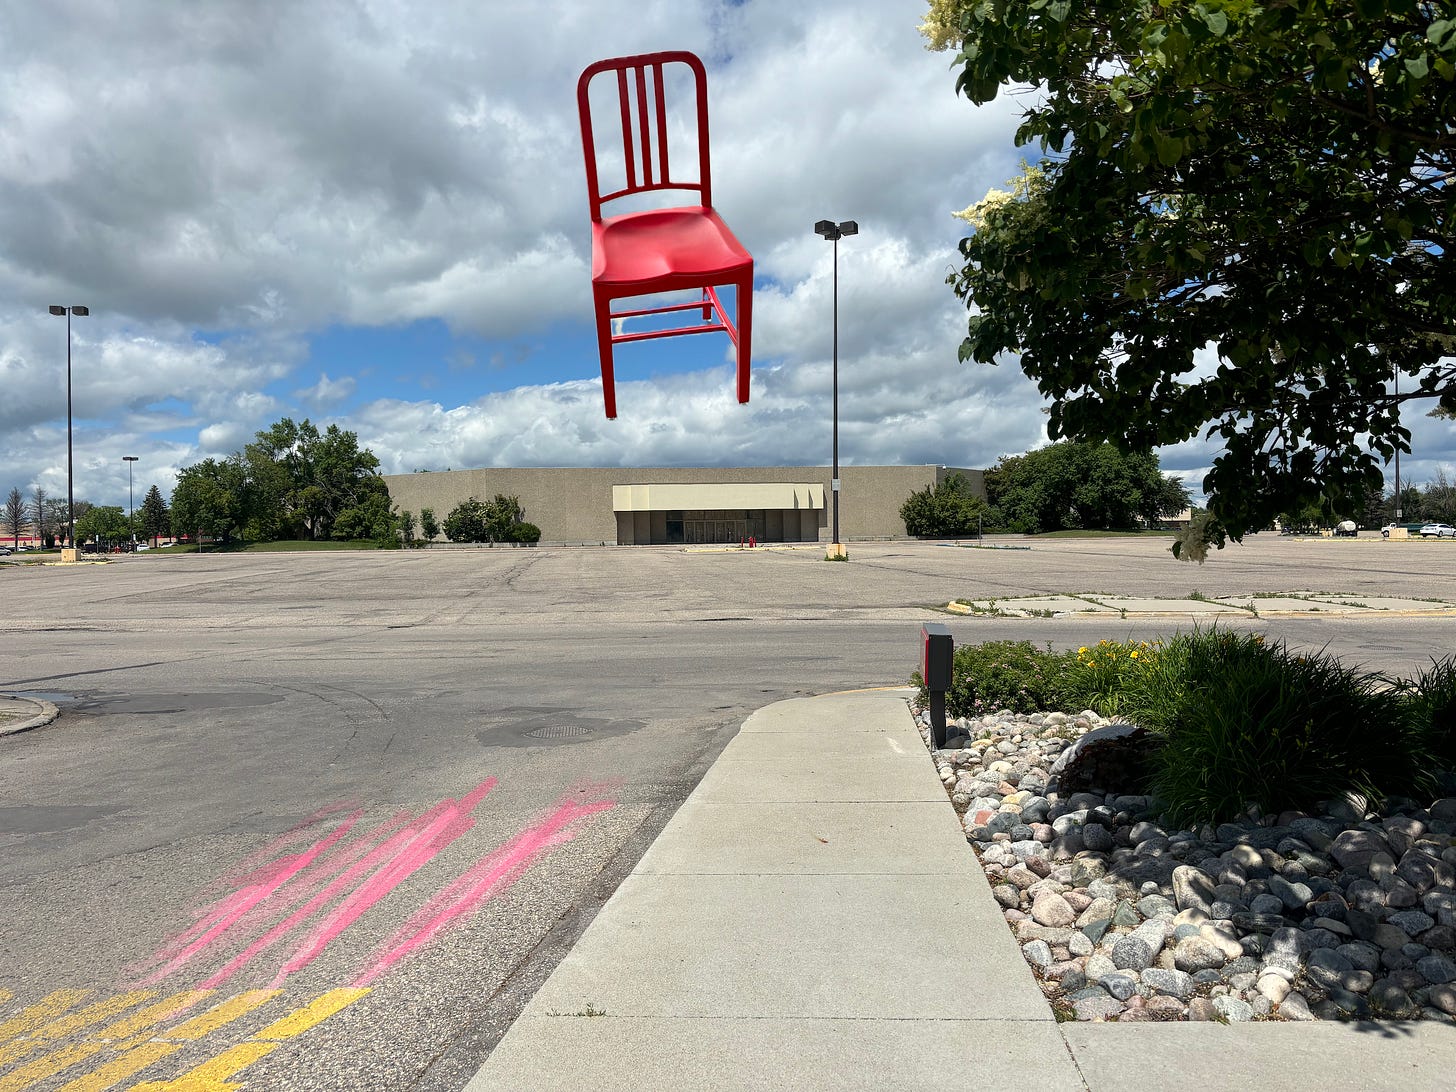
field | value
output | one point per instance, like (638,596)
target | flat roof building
(639,506)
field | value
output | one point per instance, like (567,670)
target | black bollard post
(937,662)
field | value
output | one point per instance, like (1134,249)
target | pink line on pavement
(275,902)
(490,876)
(358,859)
(220,917)
(238,874)
(416,847)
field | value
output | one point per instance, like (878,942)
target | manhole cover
(559,731)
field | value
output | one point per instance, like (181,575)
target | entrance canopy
(748,495)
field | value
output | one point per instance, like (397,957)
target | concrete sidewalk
(812,918)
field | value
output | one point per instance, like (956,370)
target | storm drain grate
(559,731)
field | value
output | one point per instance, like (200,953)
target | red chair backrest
(644,146)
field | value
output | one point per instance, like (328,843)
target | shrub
(527,533)
(1013,675)
(1247,723)
(1433,706)
(1100,676)
(949,508)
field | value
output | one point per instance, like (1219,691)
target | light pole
(834,232)
(1397,449)
(130,501)
(70,447)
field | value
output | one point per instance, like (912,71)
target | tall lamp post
(130,501)
(81,312)
(834,232)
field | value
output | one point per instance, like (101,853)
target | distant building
(669,505)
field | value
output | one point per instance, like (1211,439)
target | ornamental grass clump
(1247,723)
(1101,675)
(1433,705)
(1013,675)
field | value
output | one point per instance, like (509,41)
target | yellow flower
(1082,650)
(1133,654)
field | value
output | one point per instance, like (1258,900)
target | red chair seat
(659,244)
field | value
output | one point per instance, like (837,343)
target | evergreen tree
(154,517)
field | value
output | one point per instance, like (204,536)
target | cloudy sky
(374,213)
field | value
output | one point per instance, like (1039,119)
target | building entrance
(715,530)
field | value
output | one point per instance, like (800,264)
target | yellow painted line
(120,1068)
(51,1064)
(93,1013)
(315,1012)
(40,1012)
(149,1052)
(147,1018)
(44,1068)
(212,1075)
(207,1022)
(5,995)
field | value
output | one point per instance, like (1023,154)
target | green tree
(428,527)
(1242,224)
(15,513)
(154,518)
(1438,499)
(103,524)
(949,508)
(301,480)
(1074,486)
(369,519)
(209,499)
(501,520)
(467,522)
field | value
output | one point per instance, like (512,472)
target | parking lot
(549,708)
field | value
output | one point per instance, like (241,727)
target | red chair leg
(604,350)
(745,334)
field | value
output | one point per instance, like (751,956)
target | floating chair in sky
(652,251)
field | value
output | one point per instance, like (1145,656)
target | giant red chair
(659,250)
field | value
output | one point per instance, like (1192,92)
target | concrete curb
(1335,611)
(44,713)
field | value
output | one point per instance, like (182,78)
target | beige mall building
(671,505)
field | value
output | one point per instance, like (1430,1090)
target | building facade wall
(574,504)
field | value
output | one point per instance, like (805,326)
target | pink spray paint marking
(280,898)
(358,859)
(430,834)
(493,874)
(238,875)
(224,914)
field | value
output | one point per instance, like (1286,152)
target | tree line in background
(291,482)
(1435,503)
(1062,487)
(45,517)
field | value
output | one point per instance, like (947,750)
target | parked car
(4,551)
(1413,528)
(1438,530)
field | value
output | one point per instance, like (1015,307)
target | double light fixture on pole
(834,232)
(81,312)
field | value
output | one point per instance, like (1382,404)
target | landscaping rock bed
(1344,914)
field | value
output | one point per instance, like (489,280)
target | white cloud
(327,392)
